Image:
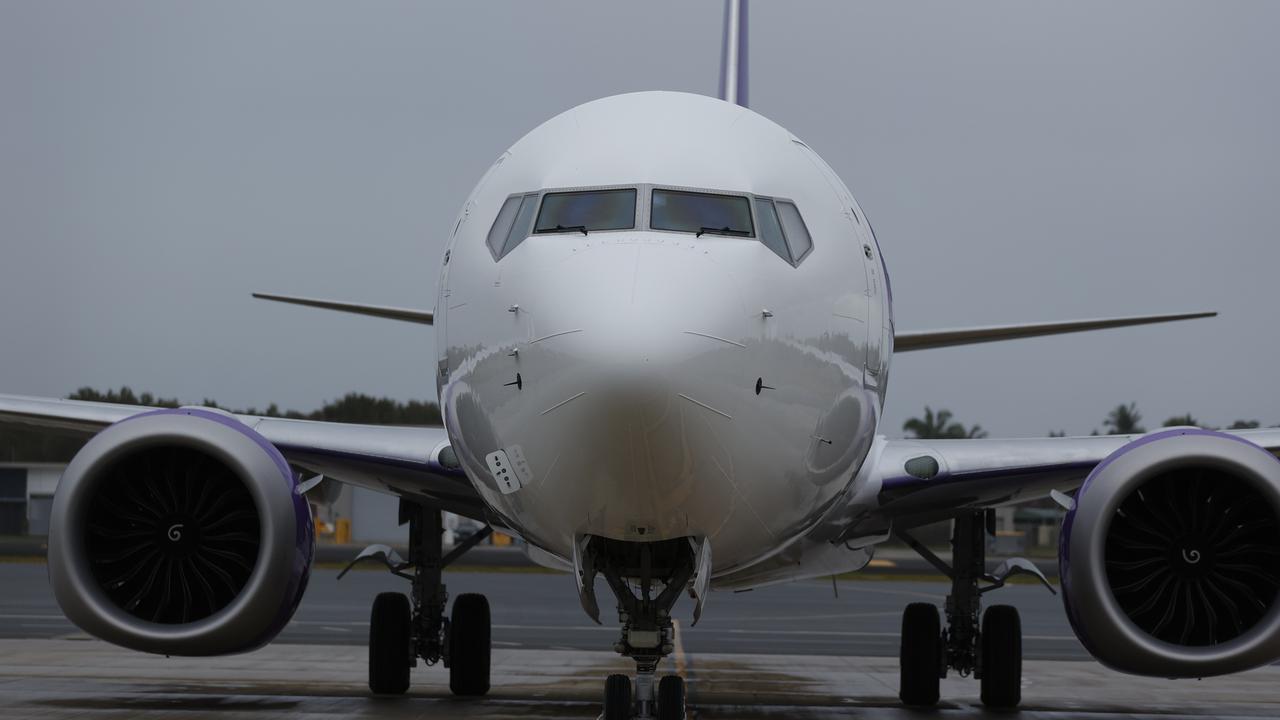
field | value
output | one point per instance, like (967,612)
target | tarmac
(792,651)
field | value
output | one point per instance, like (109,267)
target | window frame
(635,216)
(775,199)
(637,220)
(751,209)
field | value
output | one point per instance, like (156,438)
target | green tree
(940,426)
(1124,420)
(1244,425)
(1181,420)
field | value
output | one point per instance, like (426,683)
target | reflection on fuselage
(645,384)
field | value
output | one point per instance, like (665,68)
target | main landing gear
(990,651)
(406,628)
(646,579)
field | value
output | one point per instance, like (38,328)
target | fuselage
(655,379)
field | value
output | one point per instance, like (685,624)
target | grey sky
(1021,162)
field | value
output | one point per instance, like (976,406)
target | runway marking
(681,664)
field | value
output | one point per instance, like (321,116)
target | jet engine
(180,532)
(1170,559)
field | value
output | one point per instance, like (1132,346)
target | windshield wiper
(721,231)
(562,228)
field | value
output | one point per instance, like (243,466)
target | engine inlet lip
(75,587)
(1131,648)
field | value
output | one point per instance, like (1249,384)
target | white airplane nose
(637,367)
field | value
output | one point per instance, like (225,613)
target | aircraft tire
(920,655)
(671,698)
(390,650)
(1001,657)
(469,646)
(617,698)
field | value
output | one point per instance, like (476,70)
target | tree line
(1124,419)
(40,445)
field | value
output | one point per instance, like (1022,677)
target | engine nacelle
(1170,560)
(180,532)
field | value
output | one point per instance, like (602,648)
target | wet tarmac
(797,651)
(90,679)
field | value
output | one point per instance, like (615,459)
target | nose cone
(637,367)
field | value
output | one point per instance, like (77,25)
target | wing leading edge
(982,472)
(927,339)
(403,461)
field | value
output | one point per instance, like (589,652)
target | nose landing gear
(646,578)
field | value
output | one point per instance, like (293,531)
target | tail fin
(733,53)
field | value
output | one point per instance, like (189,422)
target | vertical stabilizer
(733,53)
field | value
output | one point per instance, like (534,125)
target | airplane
(665,333)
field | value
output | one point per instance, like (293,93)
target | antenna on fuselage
(733,53)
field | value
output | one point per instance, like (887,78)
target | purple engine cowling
(1168,559)
(180,532)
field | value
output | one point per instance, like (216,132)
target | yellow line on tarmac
(879,563)
(681,663)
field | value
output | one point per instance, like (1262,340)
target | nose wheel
(619,704)
(646,578)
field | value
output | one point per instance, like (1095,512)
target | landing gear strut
(990,650)
(646,578)
(404,629)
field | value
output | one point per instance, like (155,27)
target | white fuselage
(636,414)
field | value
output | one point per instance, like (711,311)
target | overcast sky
(1021,161)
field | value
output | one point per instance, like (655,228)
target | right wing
(422,317)
(404,461)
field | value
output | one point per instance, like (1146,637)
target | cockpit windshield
(587,211)
(701,213)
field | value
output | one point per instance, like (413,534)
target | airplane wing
(907,483)
(403,461)
(981,472)
(928,339)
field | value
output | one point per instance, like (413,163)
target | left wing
(928,339)
(403,461)
(906,483)
(980,473)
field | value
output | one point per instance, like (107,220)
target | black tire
(1001,657)
(671,698)
(617,697)
(920,656)
(390,644)
(469,633)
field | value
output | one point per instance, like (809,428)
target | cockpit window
(512,224)
(587,211)
(502,225)
(795,230)
(771,229)
(782,230)
(701,213)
